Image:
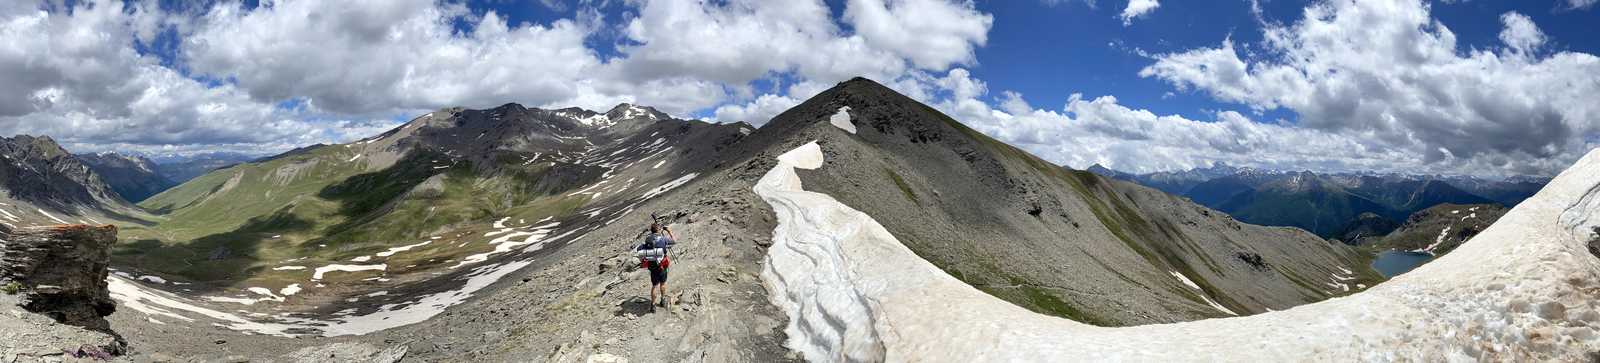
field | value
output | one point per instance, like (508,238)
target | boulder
(60,272)
(57,275)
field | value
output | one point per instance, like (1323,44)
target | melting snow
(395,250)
(504,243)
(1201,292)
(288,268)
(1436,241)
(346,268)
(47,215)
(841,120)
(669,186)
(855,293)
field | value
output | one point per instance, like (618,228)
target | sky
(1461,87)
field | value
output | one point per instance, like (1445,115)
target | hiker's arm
(672,236)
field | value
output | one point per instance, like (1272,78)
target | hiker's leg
(653,288)
(664,297)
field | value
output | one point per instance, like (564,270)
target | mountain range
(505,233)
(1326,204)
(135,177)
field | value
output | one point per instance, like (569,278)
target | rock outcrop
(58,274)
(61,271)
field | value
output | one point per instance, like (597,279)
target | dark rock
(61,271)
(1253,259)
(1594,244)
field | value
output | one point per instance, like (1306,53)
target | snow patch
(346,268)
(841,120)
(290,290)
(1201,292)
(53,218)
(400,249)
(669,186)
(505,243)
(855,293)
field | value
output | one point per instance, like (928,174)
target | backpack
(655,242)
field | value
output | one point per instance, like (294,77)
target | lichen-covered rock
(60,271)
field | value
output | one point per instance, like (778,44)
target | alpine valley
(859,225)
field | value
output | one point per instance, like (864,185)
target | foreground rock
(54,285)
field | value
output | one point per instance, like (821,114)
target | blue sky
(1492,88)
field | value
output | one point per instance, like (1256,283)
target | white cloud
(1138,8)
(1101,130)
(757,112)
(77,79)
(934,34)
(389,55)
(351,66)
(1581,4)
(1386,72)
(1520,33)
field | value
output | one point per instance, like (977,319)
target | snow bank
(841,120)
(346,268)
(1523,289)
(394,250)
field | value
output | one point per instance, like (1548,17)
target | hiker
(652,255)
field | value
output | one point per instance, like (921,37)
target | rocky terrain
(1057,241)
(132,177)
(504,234)
(42,184)
(1366,228)
(1441,229)
(53,284)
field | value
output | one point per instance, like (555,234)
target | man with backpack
(652,256)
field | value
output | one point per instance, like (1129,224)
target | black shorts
(658,274)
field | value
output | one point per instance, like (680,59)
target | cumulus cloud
(295,72)
(934,34)
(76,78)
(1101,130)
(758,111)
(1385,71)
(1520,33)
(1138,8)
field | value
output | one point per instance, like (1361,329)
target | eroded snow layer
(841,120)
(1525,289)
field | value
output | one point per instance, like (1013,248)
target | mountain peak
(625,111)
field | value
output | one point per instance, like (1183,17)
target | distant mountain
(1440,229)
(1303,200)
(1509,192)
(44,184)
(1328,204)
(1366,227)
(181,169)
(1173,182)
(133,177)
